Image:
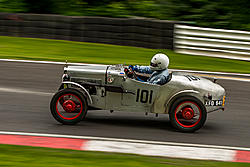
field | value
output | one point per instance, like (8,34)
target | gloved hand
(131,67)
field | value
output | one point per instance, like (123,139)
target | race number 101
(144,96)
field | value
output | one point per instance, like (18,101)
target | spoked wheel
(188,114)
(68,106)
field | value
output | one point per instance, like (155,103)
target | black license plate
(214,103)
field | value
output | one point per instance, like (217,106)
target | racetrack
(26,90)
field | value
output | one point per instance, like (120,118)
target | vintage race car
(186,98)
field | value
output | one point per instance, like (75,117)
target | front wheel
(187,114)
(68,106)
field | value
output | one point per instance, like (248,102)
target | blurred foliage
(217,13)
(12,6)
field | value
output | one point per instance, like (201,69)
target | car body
(107,87)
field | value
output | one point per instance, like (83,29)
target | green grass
(39,157)
(59,50)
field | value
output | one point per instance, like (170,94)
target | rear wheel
(188,114)
(68,106)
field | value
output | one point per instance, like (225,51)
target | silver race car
(186,98)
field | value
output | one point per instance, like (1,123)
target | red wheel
(71,107)
(188,114)
(68,106)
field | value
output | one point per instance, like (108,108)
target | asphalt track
(26,90)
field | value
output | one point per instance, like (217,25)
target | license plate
(214,103)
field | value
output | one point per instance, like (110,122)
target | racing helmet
(159,62)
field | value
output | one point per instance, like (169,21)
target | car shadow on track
(138,121)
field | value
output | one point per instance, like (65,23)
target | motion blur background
(157,24)
(225,14)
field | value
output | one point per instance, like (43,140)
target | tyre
(187,114)
(68,106)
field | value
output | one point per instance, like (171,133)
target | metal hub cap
(69,106)
(188,113)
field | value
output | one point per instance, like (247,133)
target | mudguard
(84,91)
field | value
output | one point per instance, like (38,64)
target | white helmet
(159,61)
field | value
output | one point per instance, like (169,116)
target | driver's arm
(143,69)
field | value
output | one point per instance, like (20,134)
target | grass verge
(59,50)
(11,155)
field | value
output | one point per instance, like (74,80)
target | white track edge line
(16,90)
(63,63)
(125,140)
(210,72)
(46,62)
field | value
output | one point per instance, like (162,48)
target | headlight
(65,77)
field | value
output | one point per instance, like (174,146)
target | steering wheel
(130,73)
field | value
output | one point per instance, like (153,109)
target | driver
(158,68)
